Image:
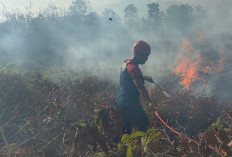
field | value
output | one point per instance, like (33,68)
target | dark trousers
(133,115)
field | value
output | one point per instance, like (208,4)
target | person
(132,87)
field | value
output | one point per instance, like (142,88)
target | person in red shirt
(132,87)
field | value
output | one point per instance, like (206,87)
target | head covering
(142,47)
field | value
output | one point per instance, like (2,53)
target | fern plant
(137,142)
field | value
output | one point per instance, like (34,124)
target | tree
(51,11)
(131,14)
(180,16)
(79,7)
(153,11)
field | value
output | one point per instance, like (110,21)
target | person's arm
(135,74)
(142,90)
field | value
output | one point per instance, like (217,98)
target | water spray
(160,88)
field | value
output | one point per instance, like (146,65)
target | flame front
(189,66)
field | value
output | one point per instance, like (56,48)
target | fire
(188,71)
(189,66)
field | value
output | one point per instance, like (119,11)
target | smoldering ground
(86,41)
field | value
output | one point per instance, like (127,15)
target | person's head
(141,51)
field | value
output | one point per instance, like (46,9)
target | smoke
(87,41)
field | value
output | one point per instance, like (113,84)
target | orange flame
(186,68)
(189,69)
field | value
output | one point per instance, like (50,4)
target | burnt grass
(76,116)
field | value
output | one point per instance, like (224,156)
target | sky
(96,5)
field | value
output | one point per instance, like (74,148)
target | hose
(158,116)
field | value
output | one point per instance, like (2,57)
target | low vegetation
(76,116)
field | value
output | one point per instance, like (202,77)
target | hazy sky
(44,3)
(97,5)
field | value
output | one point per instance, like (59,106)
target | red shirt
(133,70)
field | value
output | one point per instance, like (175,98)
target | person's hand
(149,79)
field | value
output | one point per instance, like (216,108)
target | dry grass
(77,118)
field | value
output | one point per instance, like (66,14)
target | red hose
(156,113)
(170,128)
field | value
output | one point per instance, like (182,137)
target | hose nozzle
(164,92)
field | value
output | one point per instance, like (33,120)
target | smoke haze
(86,41)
